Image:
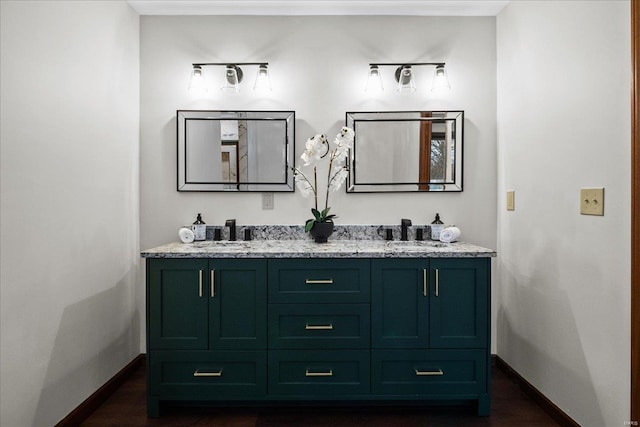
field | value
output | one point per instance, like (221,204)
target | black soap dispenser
(199,229)
(436,227)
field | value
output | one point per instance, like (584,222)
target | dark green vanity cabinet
(430,328)
(310,330)
(206,330)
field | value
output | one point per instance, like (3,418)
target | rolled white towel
(186,235)
(450,234)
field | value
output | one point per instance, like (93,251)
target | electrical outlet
(511,200)
(267,201)
(592,201)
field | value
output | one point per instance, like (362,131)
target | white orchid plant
(316,148)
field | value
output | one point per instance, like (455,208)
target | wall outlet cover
(267,201)
(592,201)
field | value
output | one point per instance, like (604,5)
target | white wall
(564,123)
(69,203)
(318,67)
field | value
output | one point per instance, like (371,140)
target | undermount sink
(220,244)
(415,243)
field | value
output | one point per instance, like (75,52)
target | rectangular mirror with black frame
(235,151)
(405,151)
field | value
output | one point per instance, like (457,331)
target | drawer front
(335,326)
(424,372)
(319,281)
(324,373)
(210,375)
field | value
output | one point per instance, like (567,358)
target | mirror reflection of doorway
(229,160)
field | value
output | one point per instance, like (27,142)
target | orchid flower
(303,184)
(339,176)
(316,148)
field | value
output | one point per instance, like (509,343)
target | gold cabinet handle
(319,374)
(207,374)
(328,327)
(437,372)
(319,281)
(424,282)
(200,283)
(437,282)
(213,282)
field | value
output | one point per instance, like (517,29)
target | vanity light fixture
(404,76)
(233,76)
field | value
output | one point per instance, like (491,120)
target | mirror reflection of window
(406,151)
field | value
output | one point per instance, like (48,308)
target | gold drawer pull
(319,374)
(319,282)
(208,374)
(213,282)
(309,327)
(424,282)
(437,372)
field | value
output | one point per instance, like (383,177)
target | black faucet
(404,223)
(231,223)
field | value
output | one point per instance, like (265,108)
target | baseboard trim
(549,407)
(93,402)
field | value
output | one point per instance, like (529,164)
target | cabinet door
(399,303)
(238,304)
(177,303)
(459,303)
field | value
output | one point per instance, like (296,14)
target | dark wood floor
(510,407)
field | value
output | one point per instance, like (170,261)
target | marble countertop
(309,249)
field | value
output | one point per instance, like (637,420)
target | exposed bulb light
(233,77)
(197,84)
(440,79)
(374,81)
(263,83)
(404,76)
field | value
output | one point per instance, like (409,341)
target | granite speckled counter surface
(347,241)
(309,249)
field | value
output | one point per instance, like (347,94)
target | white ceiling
(319,7)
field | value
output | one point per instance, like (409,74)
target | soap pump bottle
(199,229)
(436,227)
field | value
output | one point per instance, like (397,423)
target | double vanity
(295,322)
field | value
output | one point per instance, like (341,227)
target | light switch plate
(511,200)
(592,201)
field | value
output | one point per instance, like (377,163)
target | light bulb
(197,84)
(233,77)
(440,79)
(374,81)
(263,83)
(404,76)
